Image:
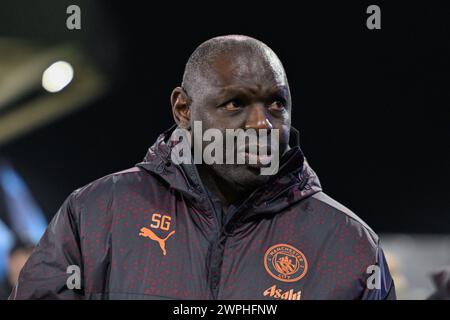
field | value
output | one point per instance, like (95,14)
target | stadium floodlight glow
(57,76)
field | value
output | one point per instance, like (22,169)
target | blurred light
(57,76)
(26,218)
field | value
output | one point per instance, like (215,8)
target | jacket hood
(294,181)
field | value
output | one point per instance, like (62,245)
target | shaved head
(239,54)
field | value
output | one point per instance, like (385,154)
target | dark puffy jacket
(155,232)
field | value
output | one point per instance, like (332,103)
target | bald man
(170,229)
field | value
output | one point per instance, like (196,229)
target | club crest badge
(285,263)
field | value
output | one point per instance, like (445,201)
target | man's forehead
(254,89)
(239,70)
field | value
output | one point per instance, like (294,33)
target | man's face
(243,92)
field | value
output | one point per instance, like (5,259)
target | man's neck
(225,191)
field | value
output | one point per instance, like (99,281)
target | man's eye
(233,105)
(277,105)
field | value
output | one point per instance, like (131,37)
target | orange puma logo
(146,232)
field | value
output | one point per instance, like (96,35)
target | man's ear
(180,108)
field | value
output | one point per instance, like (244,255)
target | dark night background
(372,106)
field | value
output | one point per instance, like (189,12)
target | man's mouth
(256,155)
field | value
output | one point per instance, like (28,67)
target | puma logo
(147,233)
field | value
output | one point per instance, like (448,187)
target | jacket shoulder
(103,189)
(108,181)
(346,215)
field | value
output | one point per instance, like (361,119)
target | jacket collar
(294,181)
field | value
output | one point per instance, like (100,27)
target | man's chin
(249,176)
(243,177)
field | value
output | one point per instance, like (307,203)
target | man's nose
(257,118)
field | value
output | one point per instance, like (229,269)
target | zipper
(218,245)
(216,253)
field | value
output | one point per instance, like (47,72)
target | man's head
(235,82)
